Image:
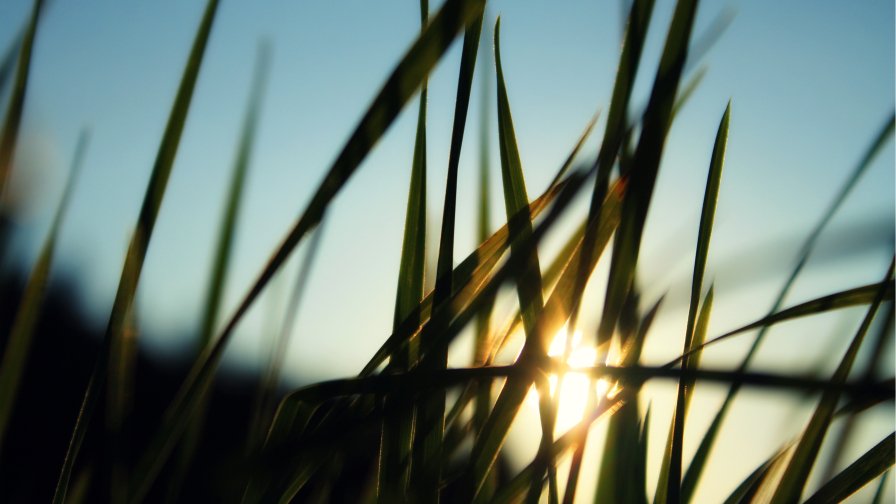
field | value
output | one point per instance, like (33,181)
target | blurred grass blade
(797,473)
(420,59)
(883,136)
(673,470)
(224,250)
(10,132)
(432,411)
(881,487)
(529,287)
(858,474)
(113,347)
(397,439)
(15,355)
(656,123)
(843,299)
(8,62)
(749,487)
(636,27)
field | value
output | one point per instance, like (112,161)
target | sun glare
(574,387)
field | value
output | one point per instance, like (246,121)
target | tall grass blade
(794,480)
(15,355)
(404,80)
(399,421)
(112,343)
(224,250)
(10,132)
(858,474)
(707,216)
(750,486)
(656,123)
(432,412)
(882,137)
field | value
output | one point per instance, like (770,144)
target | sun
(576,391)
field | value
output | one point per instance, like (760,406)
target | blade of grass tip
(794,480)
(15,355)
(399,419)
(869,466)
(483,321)
(640,13)
(401,84)
(432,411)
(883,136)
(155,190)
(881,487)
(707,216)
(10,133)
(656,123)
(529,283)
(223,251)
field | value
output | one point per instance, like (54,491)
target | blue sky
(810,84)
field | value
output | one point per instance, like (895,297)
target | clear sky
(810,82)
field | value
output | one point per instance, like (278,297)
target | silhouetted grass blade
(797,472)
(15,355)
(858,474)
(401,84)
(707,216)
(10,133)
(124,298)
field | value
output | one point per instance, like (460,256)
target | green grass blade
(15,355)
(656,123)
(529,283)
(797,472)
(399,421)
(858,474)
(124,298)
(707,216)
(432,412)
(843,299)
(669,484)
(10,132)
(882,137)
(407,76)
(636,27)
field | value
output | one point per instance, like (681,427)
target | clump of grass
(430,444)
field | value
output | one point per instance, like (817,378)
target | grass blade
(879,494)
(15,355)
(884,134)
(404,80)
(223,251)
(656,123)
(707,215)
(10,133)
(397,438)
(124,298)
(432,412)
(858,474)
(797,472)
